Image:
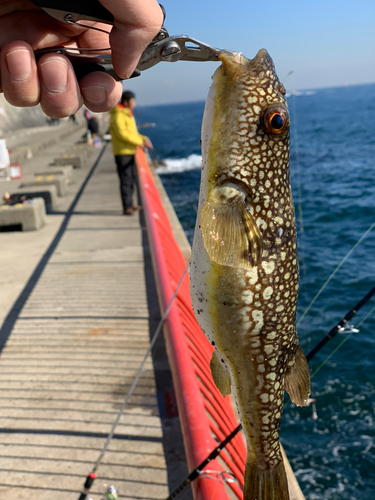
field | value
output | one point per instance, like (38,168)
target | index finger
(136,23)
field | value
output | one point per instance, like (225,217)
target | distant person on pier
(125,140)
(92,123)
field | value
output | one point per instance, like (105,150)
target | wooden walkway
(71,356)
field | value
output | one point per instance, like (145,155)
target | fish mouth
(239,58)
(260,66)
(261,61)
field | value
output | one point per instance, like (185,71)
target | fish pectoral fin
(230,234)
(297,380)
(220,375)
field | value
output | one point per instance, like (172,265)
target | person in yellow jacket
(125,140)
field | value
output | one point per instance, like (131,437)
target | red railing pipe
(194,421)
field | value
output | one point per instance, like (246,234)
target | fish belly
(221,297)
(248,347)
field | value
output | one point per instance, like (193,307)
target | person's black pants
(126,172)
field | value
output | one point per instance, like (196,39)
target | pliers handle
(72,10)
(162,48)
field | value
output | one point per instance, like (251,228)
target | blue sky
(325,43)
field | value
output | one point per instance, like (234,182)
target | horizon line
(345,85)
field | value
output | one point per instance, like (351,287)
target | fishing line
(342,343)
(69,20)
(301,244)
(299,189)
(92,475)
(334,272)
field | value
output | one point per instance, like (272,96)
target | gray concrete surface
(19,256)
(34,141)
(74,347)
(20,252)
(59,181)
(66,171)
(13,118)
(78,160)
(44,157)
(30,216)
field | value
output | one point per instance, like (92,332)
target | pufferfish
(244,265)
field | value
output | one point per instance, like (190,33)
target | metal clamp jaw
(175,48)
(162,48)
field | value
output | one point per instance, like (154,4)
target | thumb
(135,25)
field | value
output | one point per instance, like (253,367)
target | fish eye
(276,120)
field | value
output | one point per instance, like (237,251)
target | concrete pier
(78,308)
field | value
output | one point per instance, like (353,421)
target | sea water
(333,179)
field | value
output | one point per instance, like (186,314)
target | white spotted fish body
(244,269)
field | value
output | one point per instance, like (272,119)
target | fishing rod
(195,473)
(339,327)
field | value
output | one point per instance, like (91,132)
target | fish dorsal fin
(220,375)
(229,232)
(297,380)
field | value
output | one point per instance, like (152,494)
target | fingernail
(94,94)
(54,75)
(19,64)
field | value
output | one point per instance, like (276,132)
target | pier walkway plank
(70,359)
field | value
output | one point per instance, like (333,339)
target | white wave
(298,93)
(173,165)
(337,449)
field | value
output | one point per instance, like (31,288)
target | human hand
(148,144)
(52,82)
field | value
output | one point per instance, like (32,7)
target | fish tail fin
(270,484)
